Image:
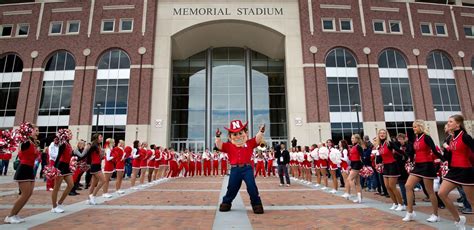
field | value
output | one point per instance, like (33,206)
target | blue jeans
(371,181)
(465,202)
(238,174)
(283,171)
(4,168)
(403,191)
(128,167)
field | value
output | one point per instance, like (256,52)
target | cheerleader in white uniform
(293,163)
(315,157)
(323,152)
(109,167)
(334,161)
(300,159)
(307,165)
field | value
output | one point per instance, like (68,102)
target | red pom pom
(444,168)
(366,171)
(379,168)
(50,172)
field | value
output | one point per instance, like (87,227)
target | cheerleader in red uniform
(164,165)
(145,154)
(461,170)
(206,156)
(158,158)
(120,154)
(172,163)
(344,148)
(192,164)
(391,172)
(198,158)
(151,162)
(137,155)
(307,165)
(109,167)
(183,163)
(223,157)
(299,164)
(95,155)
(424,170)
(315,157)
(62,164)
(260,164)
(355,157)
(215,163)
(24,174)
(323,152)
(271,158)
(332,167)
(293,163)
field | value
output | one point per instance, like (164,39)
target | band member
(461,169)
(391,172)
(62,164)
(95,156)
(240,150)
(198,157)
(109,167)
(120,154)
(206,156)
(355,156)
(215,163)
(223,157)
(260,164)
(24,174)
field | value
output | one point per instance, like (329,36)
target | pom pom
(23,132)
(63,135)
(82,165)
(366,171)
(50,172)
(7,142)
(409,166)
(314,154)
(444,168)
(323,153)
(379,168)
(335,156)
(73,164)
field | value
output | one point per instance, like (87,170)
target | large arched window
(443,85)
(396,93)
(56,93)
(344,96)
(11,67)
(111,93)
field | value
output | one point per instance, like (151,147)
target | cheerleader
(53,153)
(323,152)
(260,164)
(355,157)
(192,163)
(271,158)
(95,157)
(223,157)
(293,162)
(144,161)
(164,165)
(344,148)
(109,167)
(24,174)
(198,158)
(158,157)
(151,162)
(120,154)
(391,172)
(461,170)
(424,170)
(62,164)
(307,165)
(183,163)
(215,163)
(315,156)
(206,156)
(136,156)
(332,166)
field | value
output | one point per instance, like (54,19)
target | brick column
(77,95)
(133,96)
(29,97)
(145,96)
(464,94)
(88,93)
(313,84)
(416,93)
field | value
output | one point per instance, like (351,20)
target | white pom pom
(375,152)
(314,154)
(335,156)
(323,153)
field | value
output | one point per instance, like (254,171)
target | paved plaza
(192,203)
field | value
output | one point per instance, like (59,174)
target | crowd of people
(395,162)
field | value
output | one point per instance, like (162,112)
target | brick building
(172,71)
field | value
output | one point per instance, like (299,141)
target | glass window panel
(340,58)
(354,94)
(383,60)
(344,94)
(331,59)
(378,26)
(104,61)
(61,61)
(328,24)
(346,25)
(124,60)
(438,61)
(3,102)
(114,59)
(440,29)
(70,63)
(425,29)
(9,64)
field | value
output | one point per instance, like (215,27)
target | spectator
(283,159)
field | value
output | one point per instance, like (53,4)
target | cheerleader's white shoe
(394,206)
(334,191)
(359,198)
(91,200)
(324,188)
(106,195)
(346,195)
(57,210)
(401,207)
(409,216)
(19,218)
(120,192)
(11,220)
(433,218)
(461,223)
(317,185)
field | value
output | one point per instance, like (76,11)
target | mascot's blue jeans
(237,174)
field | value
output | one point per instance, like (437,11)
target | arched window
(443,85)
(344,96)
(111,94)
(11,67)
(396,93)
(56,93)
